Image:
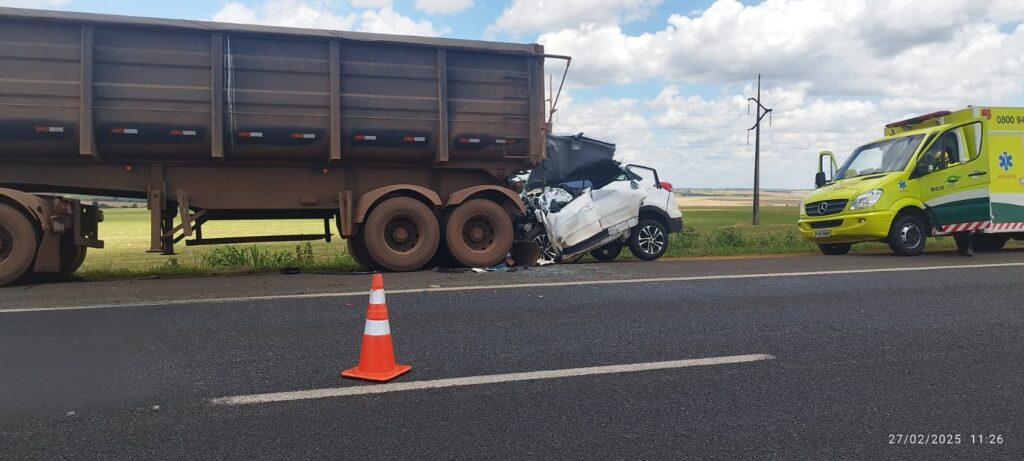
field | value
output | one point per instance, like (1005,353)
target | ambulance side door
(954,177)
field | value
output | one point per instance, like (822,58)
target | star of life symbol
(903,185)
(1006,161)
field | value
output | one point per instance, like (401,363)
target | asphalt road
(862,347)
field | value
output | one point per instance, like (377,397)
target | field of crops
(710,231)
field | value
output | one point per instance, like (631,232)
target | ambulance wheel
(835,249)
(608,252)
(990,242)
(19,240)
(401,234)
(907,235)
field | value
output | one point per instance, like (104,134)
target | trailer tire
(401,234)
(357,250)
(479,233)
(907,237)
(19,241)
(648,240)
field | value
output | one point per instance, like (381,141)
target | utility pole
(761,112)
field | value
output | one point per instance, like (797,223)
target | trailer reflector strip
(415,139)
(469,140)
(124,130)
(250,134)
(49,129)
(183,133)
(504,141)
(303,136)
(363,137)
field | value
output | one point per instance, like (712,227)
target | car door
(618,202)
(954,178)
(574,223)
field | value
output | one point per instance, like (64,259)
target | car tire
(907,236)
(538,237)
(834,249)
(479,233)
(401,234)
(607,253)
(648,240)
(19,241)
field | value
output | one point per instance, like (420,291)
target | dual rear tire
(19,241)
(403,234)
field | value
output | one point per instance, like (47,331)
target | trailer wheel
(357,250)
(479,233)
(71,256)
(19,241)
(401,234)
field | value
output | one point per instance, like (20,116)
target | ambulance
(943,173)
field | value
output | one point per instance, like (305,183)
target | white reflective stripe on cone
(376,296)
(377,328)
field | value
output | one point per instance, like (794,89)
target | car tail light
(666,185)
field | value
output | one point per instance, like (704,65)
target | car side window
(943,153)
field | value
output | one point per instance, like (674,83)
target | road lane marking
(484,379)
(361,293)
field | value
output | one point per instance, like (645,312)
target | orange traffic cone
(377,355)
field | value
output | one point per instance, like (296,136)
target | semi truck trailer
(402,144)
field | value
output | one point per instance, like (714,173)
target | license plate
(621,227)
(822,233)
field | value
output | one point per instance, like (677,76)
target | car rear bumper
(675,225)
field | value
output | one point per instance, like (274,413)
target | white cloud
(387,21)
(545,15)
(366,4)
(38,4)
(317,14)
(286,13)
(443,6)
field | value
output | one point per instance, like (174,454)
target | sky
(668,80)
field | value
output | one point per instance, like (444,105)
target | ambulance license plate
(822,233)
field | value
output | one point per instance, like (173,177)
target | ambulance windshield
(880,157)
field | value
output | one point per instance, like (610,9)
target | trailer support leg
(156,217)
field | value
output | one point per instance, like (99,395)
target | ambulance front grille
(831,207)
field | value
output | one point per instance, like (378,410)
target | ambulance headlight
(867,199)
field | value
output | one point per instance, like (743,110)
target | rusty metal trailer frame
(344,181)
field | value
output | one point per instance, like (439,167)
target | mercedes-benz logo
(822,208)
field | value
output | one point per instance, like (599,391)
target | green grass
(710,231)
(126,234)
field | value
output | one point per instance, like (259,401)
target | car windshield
(880,157)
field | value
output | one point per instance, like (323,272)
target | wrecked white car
(582,201)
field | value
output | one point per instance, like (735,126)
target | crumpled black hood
(574,158)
